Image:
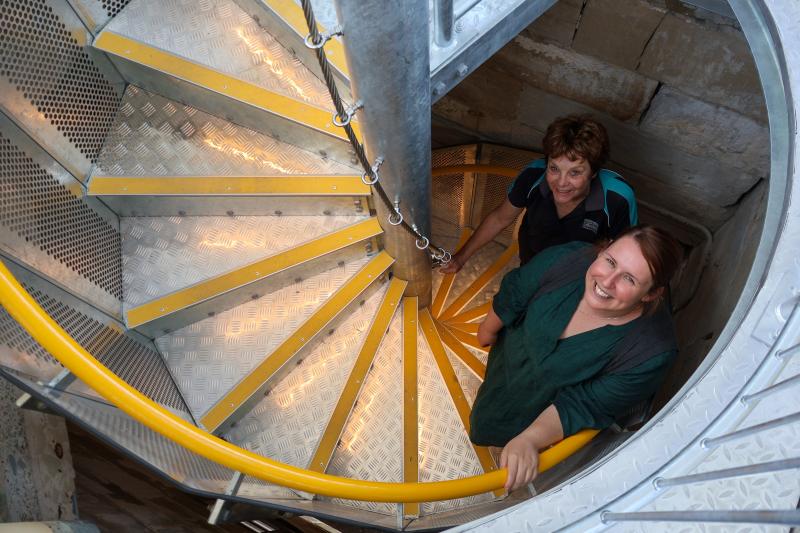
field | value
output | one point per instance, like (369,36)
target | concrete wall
(675,86)
(37,481)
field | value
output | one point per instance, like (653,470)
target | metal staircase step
(227,290)
(209,357)
(238,400)
(285,21)
(290,422)
(239,195)
(163,255)
(214,56)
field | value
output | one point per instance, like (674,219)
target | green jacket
(591,378)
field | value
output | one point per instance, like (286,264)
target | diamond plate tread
(468,381)
(371,445)
(155,136)
(444,448)
(447,234)
(161,255)
(209,357)
(288,423)
(477,264)
(220,35)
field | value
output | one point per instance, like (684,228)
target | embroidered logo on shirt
(591,225)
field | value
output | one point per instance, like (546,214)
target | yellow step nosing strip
(468,358)
(475,287)
(454,388)
(289,185)
(410,396)
(250,384)
(447,281)
(213,80)
(355,381)
(466,338)
(259,270)
(466,327)
(292,14)
(471,314)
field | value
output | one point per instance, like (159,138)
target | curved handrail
(35,320)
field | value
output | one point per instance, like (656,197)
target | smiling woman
(566,196)
(578,337)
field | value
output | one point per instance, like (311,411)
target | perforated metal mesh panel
(112,7)
(139,365)
(47,215)
(448,190)
(13,336)
(497,186)
(44,62)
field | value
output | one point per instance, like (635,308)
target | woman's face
(569,180)
(619,280)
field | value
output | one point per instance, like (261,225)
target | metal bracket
(218,512)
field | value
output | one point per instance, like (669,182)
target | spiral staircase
(178,200)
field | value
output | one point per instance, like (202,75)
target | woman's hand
(521,457)
(489,328)
(455,264)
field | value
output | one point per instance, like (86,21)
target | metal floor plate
(371,445)
(287,424)
(155,136)
(209,357)
(220,35)
(162,255)
(444,448)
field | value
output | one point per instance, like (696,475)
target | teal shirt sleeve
(519,285)
(596,402)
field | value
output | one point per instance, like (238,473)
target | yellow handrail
(20,305)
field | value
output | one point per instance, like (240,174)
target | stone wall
(37,481)
(675,86)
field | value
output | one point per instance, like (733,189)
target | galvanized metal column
(387,49)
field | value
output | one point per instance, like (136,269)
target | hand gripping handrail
(20,305)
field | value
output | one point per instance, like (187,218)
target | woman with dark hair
(578,337)
(566,197)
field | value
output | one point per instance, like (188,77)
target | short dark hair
(662,252)
(577,136)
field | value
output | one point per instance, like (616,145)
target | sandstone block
(713,64)
(557,24)
(695,181)
(618,92)
(617,30)
(709,130)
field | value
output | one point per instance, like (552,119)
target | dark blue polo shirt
(609,208)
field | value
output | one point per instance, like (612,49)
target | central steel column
(387,49)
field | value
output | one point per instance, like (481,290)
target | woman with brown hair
(578,337)
(566,197)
